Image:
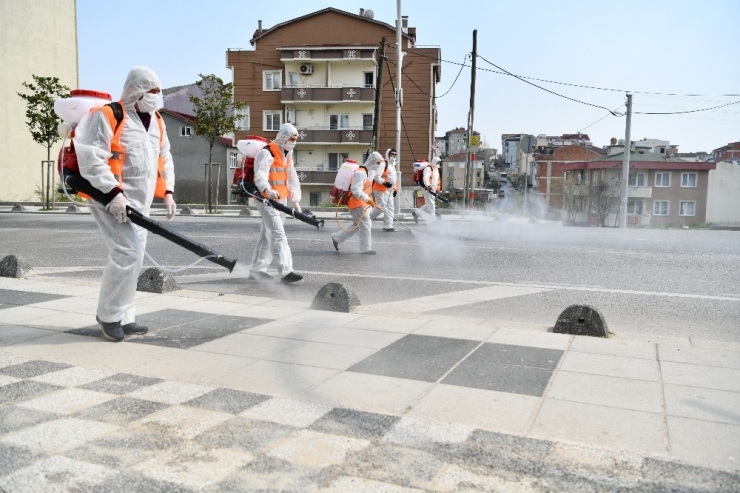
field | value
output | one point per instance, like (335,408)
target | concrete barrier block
(245,212)
(335,297)
(582,320)
(18,208)
(154,280)
(15,267)
(72,209)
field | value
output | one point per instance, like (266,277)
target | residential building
(190,155)
(37,38)
(452,172)
(730,152)
(723,199)
(563,140)
(549,171)
(514,159)
(440,145)
(319,72)
(662,190)
(457,141)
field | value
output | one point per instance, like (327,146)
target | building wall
(550,174)
(189,155)
(345,73)
(723,199)
(332,28)
(37,38)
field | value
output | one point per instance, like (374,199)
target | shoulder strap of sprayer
(117,113)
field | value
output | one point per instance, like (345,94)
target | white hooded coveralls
(384,200)
(92,143)
(431,179)
(361,223)
(272,243)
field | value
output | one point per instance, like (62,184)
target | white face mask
(289,145)
(148,103)
(392,160)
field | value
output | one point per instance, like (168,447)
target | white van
(502,177)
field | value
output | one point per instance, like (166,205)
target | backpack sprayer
(418,178)
(71,110)
(243,182)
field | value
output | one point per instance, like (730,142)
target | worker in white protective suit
(384,190)
(130,162)
(430,178)
(275,178)
(360,205)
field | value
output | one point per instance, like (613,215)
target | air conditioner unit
(306,69)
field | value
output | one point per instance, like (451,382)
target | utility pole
(399,99)
(378,89)
(468,169)
(626,165)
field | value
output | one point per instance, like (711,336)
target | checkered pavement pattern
(69,428)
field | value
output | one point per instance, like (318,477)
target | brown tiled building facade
(320,73)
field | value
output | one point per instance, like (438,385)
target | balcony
(319,175)
(640,192)
(326,135)
(327,94)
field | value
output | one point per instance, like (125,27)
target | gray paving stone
(169,317)
(128,482)
(483,370)
(188,335)
(518,355)
(227,400)
(121,410)
(390,463)
(416,357)
(13,458)
(23,390)
(270,474)
(15,298)
(247,434)
(33,368)
(355,424)
(15,418)
(120,383)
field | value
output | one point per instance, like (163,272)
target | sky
(689,48)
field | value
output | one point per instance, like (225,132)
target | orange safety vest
(278,177)
(439,179)
(118,154)
(354,202)
(379,187)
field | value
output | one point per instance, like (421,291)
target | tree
(572,193)
(215,116)
(43,124)
(605,196)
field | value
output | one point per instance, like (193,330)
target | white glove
(117,207)
(170,206)
(272,194)
(297,206)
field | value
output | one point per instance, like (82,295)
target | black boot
(111,330)
(135,329)
(292,277)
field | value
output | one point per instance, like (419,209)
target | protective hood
(139,80)
(436,161)
(286,131)
(387,155)
(373,160)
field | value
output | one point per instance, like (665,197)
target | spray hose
(306,218)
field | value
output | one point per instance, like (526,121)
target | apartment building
(320,72)
(730,152)
(452,172)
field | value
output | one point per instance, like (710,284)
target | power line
(548,90)
(410,79)
(684,112)
(577,85)
(597,121)
(462,66)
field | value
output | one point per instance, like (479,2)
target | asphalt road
(654,282)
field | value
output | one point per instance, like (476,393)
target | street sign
(474,142)
(528,143)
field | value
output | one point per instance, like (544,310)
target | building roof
(260,33)
(460,157)
(638,160)
(458,130)
(225,141)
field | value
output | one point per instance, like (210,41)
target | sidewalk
(231,392)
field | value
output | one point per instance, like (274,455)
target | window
(662,179)
(577,176)
(186,131)
(660,207)
(233,162)
(596,178)
(450,172)
(635,207)
(369,79)
(272,80)
(272,120)
(338,121)
(688,180)
(687,208)
(637,179)
(335,158)
(314,199)
(292,79)
(367,122)
(242,122)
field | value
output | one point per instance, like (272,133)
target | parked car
(501,193)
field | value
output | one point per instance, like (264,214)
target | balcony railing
(345,94)
(315,135)
(323,175)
